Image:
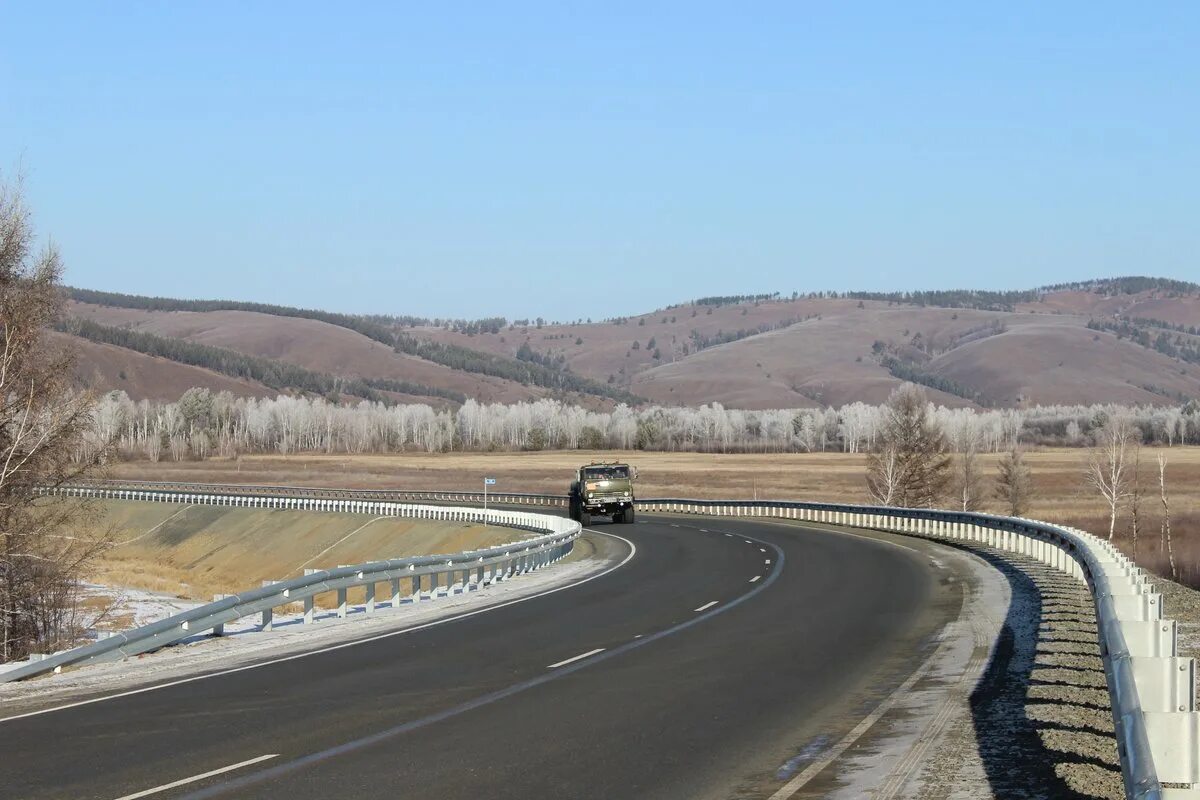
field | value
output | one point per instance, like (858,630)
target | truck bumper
(606,507)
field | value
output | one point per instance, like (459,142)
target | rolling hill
(1131,340)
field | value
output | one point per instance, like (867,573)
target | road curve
(718,653)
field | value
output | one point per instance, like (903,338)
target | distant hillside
(1130,340)
(273,374)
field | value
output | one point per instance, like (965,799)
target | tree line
(202,423)
(526,372)
(274,374)
(1172,345)
(911,371)
(380,327)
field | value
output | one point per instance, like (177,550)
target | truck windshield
(606,473)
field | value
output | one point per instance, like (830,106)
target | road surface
(704,667)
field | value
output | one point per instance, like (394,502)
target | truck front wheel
(627,515)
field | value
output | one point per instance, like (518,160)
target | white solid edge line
(341,646)
(199,777)
(756,577)
(579,657)
(804,525)
(788,790)
(709,604)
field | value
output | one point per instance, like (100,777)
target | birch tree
(1165,531)
(44,424)
(1107,468)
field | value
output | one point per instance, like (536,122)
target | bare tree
(1107,468)
(1165,533)
(44,426)
(884,476)
(1014,484)
(1135,497)
(911,467)
(968,478)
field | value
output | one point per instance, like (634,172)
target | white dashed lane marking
(576,658)
(756,577)
(200,777)
(709,604)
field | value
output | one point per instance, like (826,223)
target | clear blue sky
(472,160)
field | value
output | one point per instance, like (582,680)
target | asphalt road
(716,654)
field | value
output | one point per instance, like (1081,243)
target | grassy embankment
(198,551)
(1061,497)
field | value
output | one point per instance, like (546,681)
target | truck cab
(603,489)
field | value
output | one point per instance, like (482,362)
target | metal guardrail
(473,569)
(1152,688)
(324,493)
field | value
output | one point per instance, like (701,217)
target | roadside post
(486,483)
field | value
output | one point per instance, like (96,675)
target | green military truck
(603,489)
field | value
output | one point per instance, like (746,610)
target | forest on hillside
(271,373)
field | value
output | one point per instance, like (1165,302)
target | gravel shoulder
(1013,703)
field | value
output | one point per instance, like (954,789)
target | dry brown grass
(141,376)
(311,344)
(1043,357)
(1046,355)
(1058,474)
(199,551)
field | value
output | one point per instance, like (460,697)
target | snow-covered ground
(141,606)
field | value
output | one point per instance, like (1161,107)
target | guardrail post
(394,585)
(371,597)
(268,620)
(308,610)
(433,585)
(341,603)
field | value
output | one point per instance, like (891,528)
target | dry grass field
(1058,474)
(198,551)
